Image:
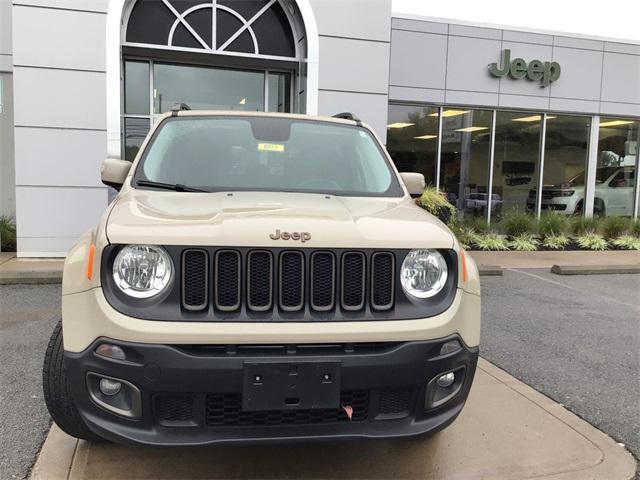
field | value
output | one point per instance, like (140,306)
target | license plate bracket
(290,385)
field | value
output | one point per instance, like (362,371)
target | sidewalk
(49,270)
(506,431)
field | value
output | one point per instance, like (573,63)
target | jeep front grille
(259,280)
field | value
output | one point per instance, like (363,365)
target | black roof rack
(348,116)
(177,107)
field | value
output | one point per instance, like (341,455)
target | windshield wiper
(178,187)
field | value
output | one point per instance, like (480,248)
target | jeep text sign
(537,70)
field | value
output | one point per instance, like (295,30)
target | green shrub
(478,225)
(592,241)
(466,237)
(524,243)
(553,223)
(516,222)
(613,227)
(582,225)
(634,227)
(628,242)
(436,203)
(491,241)
(7,234)
(556,242)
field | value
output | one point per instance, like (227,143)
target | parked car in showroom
(477,203)
(613,193)
(262,277)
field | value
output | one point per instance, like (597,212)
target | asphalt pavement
(28,314)
(576,339)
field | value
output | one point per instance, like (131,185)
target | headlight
(142,271)
(424,273)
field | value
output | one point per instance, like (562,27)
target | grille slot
(174,410)
(259,280)
(323,266)
(226,410)
(353,281)
(227,280)
(395,402)
(291,281)
(382,280)
(195,280)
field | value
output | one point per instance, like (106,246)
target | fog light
(111,351)
(444,381)
(450,347)
(110,387)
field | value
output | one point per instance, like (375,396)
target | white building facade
(83,80)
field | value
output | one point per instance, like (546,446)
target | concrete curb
(64,457)
(594,269)
(490,270)
(30,278)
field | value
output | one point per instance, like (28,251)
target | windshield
(267,154)
(602,174)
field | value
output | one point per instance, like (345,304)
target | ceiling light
(615,123)
(532,118)
(471,129)
(426,137)
(243,101)
(450,113)
(399,125)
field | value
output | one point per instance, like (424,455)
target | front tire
(56,391)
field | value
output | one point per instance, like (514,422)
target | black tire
(56,391)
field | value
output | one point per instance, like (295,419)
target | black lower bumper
(193,395)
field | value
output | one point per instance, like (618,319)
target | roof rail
(178,107)
(348,116)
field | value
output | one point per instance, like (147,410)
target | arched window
(250,27)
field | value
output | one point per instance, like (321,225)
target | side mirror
(414,182)
(113,172)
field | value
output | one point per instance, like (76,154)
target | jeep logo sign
(298,236)
(537,70)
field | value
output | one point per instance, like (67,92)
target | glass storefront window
(616,167)
(516,160)
(464,171)
(565,161)
(134,132)
(136,88)
(206,88)
(279,92)
(412,139)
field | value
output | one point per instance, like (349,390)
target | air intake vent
(382,280)
(353,281)
(259,280)
(195,280)
(323,266)
(227,280)
(291,281)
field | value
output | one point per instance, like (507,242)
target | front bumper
(191,395)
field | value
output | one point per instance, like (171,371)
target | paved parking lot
(576,339)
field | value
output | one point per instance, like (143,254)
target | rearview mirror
(414,182)
(113,172)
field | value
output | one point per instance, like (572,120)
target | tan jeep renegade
(262,277)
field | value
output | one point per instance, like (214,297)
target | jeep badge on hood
(302,236)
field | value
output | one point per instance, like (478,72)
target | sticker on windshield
(271,147)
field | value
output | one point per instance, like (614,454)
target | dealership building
(500,118)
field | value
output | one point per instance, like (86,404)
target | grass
(7,234)
(491,241)
(552,223)
(524,243)
(613,227)
(592,241)
(436,203)
(634,227)
(556,241)
(583,225)
(515,223)
(627,242)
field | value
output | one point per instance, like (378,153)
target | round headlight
(142,271)
(424,273)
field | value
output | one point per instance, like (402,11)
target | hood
(254,219)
